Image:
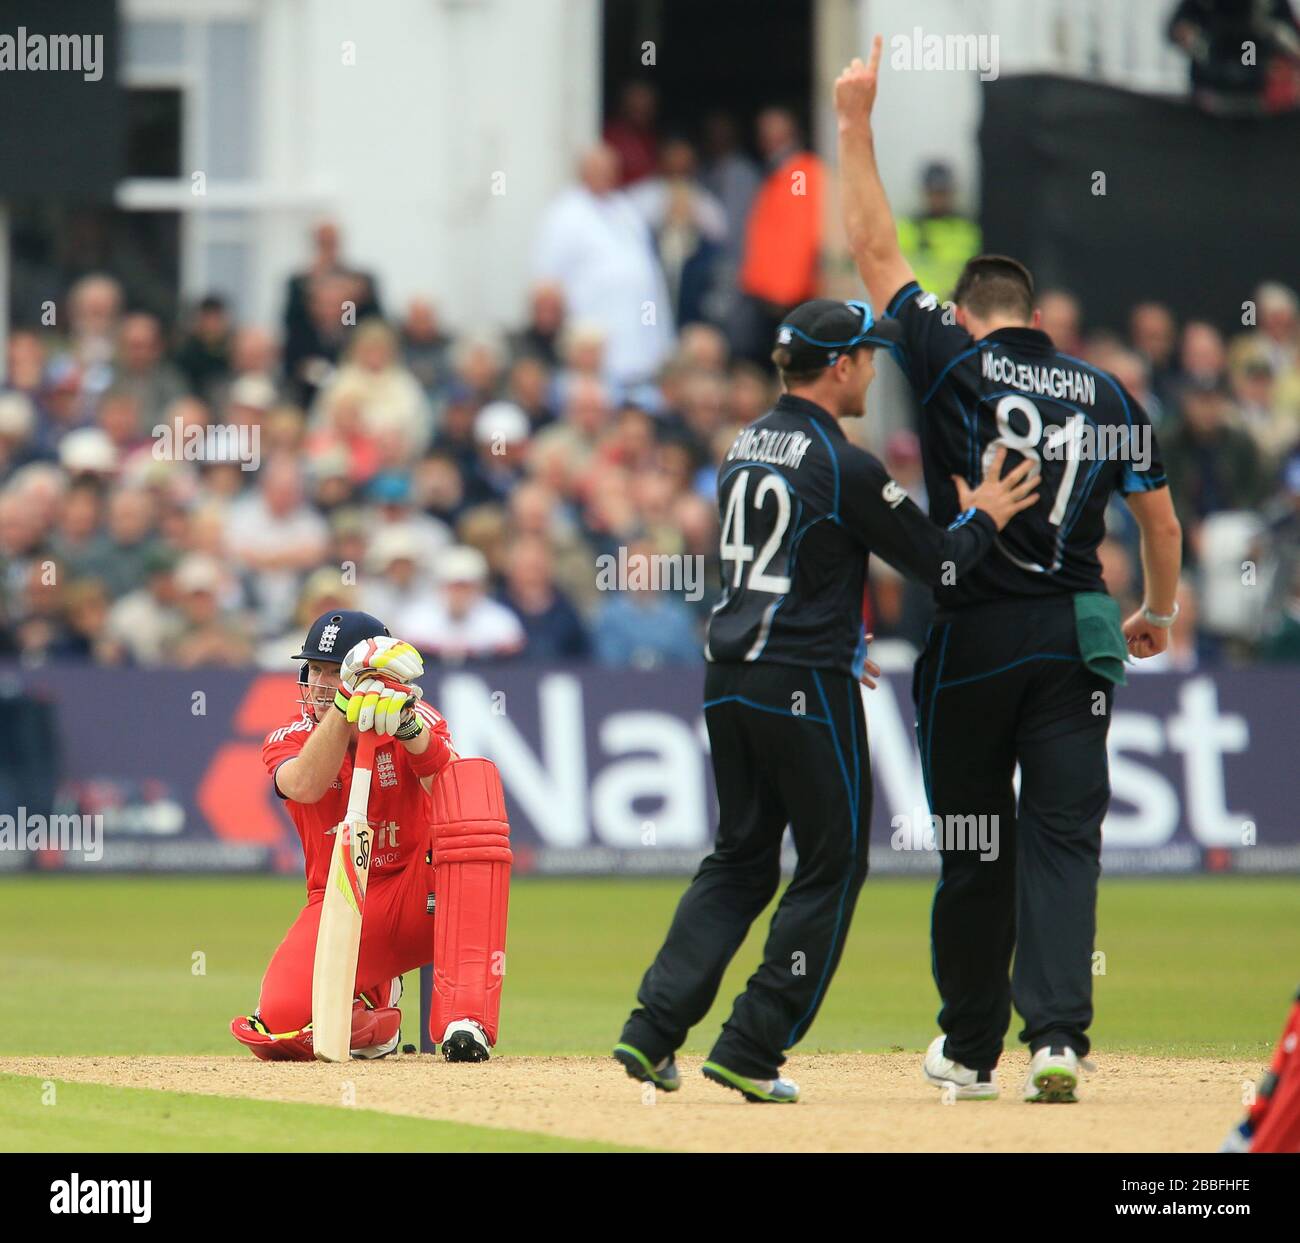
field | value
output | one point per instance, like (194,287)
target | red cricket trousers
(396,937)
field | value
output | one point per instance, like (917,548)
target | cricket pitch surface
(852,1102)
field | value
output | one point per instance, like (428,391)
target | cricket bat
(338,940)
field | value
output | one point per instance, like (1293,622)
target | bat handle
(366,746)
(362,766)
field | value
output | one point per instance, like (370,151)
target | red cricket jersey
(400,808)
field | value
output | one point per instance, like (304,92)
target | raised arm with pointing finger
(872,234)
(1027,646)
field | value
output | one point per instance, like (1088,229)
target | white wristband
(1158,620)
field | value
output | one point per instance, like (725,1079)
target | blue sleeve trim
(1136,481)
(859,665)
(907,291)
(963,518)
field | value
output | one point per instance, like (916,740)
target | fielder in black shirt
(1020,664)
(1011,388)
(801,509)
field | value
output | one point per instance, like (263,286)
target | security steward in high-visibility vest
(938,242)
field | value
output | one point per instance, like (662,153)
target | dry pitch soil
(852,1102)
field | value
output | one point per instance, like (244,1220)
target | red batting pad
(471,856)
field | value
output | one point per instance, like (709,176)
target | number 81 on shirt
(1070,434)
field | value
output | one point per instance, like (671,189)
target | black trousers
(1000,684)
(789,747)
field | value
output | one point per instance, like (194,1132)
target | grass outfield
(1199,966)
(92,1117)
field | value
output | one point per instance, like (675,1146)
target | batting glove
(381,656)
(381,705)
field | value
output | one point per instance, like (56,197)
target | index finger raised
(873,62)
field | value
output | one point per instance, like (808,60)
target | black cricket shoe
(638,1066)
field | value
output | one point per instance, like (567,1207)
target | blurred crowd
(464,487)
(463,490)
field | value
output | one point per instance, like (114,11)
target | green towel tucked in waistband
(1101,635)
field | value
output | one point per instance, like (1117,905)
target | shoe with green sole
(760,1091)
(638,1066)
(1053,1077)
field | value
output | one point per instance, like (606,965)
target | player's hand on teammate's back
(870,671)
(1143,638)
(381,655)
(855,88)
(381,704)
(1001,497)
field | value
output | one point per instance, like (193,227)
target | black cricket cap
(819,332)
(333,634)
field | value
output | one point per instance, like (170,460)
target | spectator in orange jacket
(783,239)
